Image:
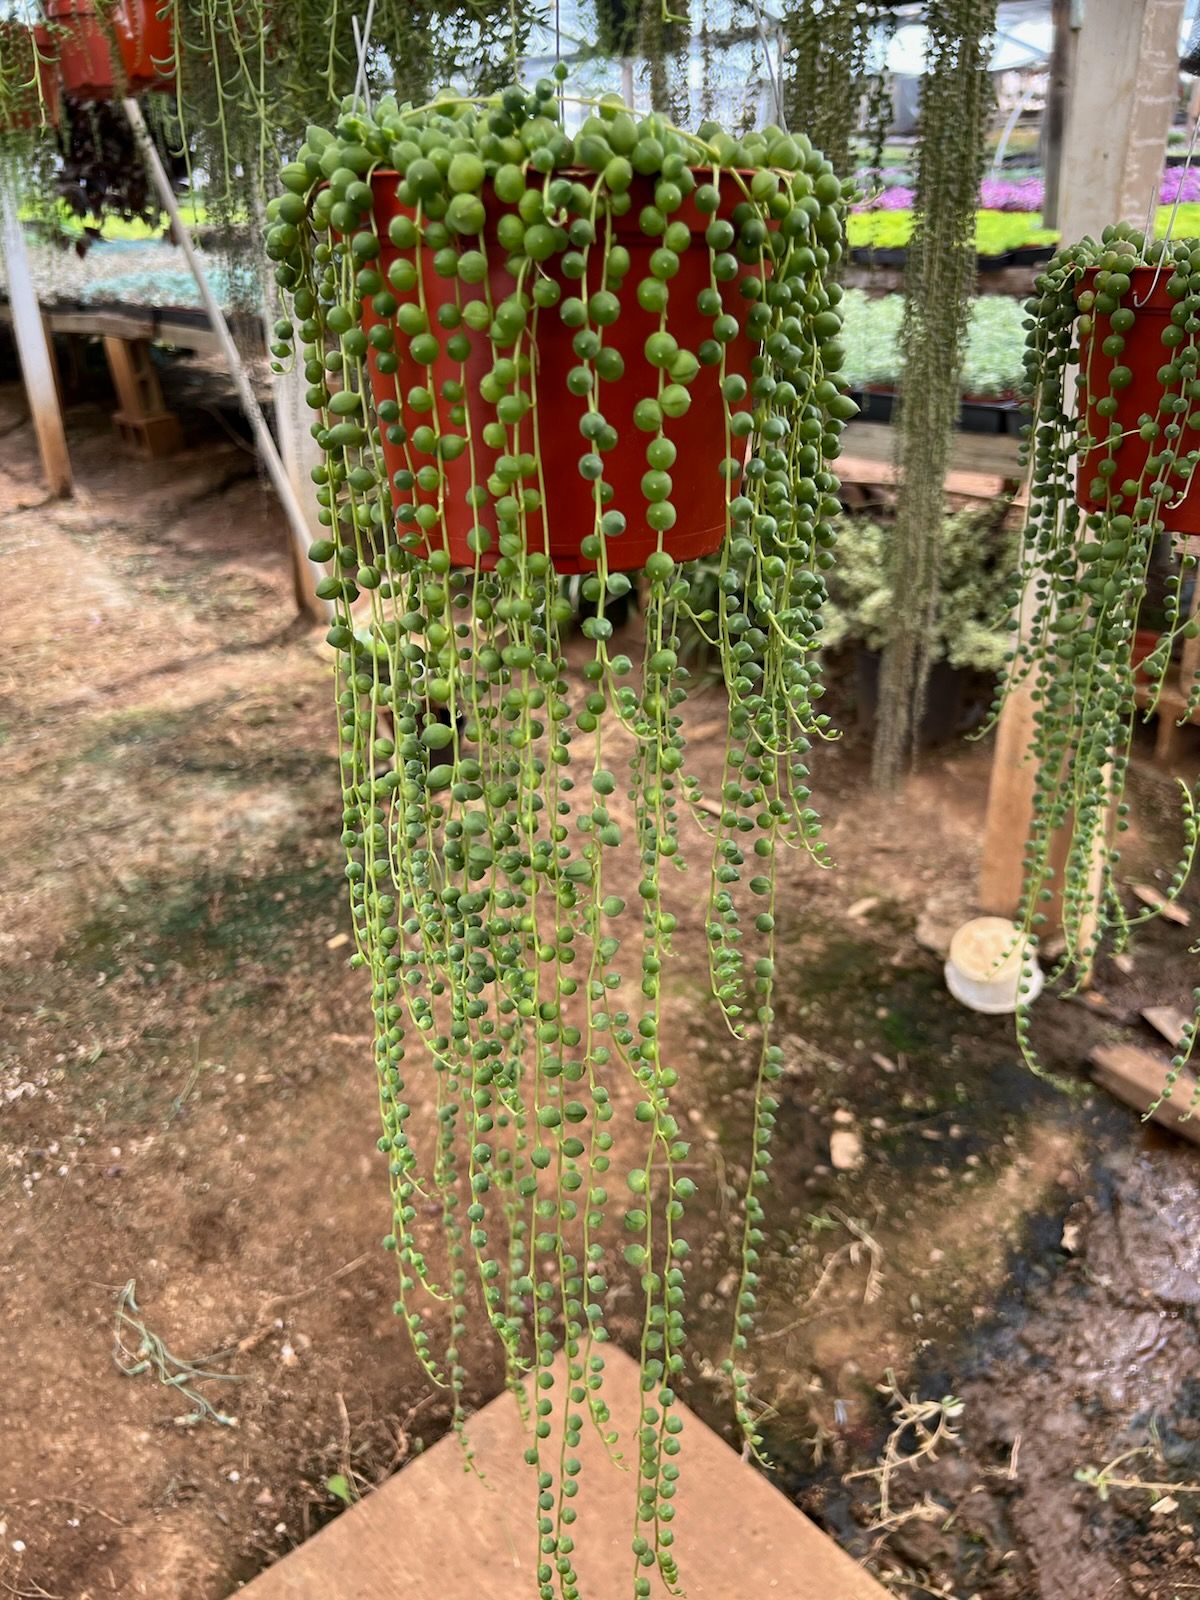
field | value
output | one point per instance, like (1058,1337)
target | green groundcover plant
(512,818)
(971,626)
(993,362)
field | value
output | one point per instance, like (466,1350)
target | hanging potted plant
(108,50)
(533,354)
(1114,475)
(29,94)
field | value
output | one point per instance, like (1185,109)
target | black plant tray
(1026,255)
(975,416)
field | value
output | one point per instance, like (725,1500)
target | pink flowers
(1026,194)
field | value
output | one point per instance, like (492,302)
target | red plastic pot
(567,513)
(1144,354)
(102,57)
(24,55)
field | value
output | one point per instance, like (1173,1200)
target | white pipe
(297,523)
(32,348)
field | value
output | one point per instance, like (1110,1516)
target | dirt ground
(187,1108)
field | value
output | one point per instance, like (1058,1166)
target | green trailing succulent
(1113,383)
(513,803)
(250,74)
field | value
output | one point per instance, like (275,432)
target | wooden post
(33,348)
(307,572)
(1123,92)
(142,420)
(299,452)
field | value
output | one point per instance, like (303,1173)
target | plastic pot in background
(105,57)
(986,967)
(983,414)
(942,714)
(1143,354)
(568,512)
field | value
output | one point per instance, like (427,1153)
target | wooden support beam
(306,572)
(33,348)
(1058,88)
(1123,93)
(1124,87)
(993,454)
(298,449)
(142,420)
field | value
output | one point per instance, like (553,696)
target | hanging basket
(1138,395)
(30,69)
(567,514)
(106,57)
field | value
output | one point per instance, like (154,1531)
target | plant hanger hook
(362,43)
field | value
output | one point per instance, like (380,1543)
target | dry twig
(933,1423)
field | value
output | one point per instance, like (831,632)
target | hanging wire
(773,76)
(558,52)
(362,44)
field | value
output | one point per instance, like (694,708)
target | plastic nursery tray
(1026,255)
(975,415)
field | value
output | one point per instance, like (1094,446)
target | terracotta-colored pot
(567,514)
(100,57)
(1144,354)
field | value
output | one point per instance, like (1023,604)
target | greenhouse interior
(615,738)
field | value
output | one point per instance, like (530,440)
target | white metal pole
(284,488)
(33,348)
(298,450)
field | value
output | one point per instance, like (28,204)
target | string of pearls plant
(1113,382)
(530,354)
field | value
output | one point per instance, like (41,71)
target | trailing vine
(250,75)
(828,79)
(956,98)
(471,286)
(1114,454)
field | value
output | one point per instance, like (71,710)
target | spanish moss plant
(530,355)
(1114,452)
(956,97)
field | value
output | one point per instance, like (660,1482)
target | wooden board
(1136,1077)
(1167,1020)
(437,1532)
(994,454)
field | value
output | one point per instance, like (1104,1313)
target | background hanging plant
(99,172)
(956,97)
(511,821)
(832,75)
